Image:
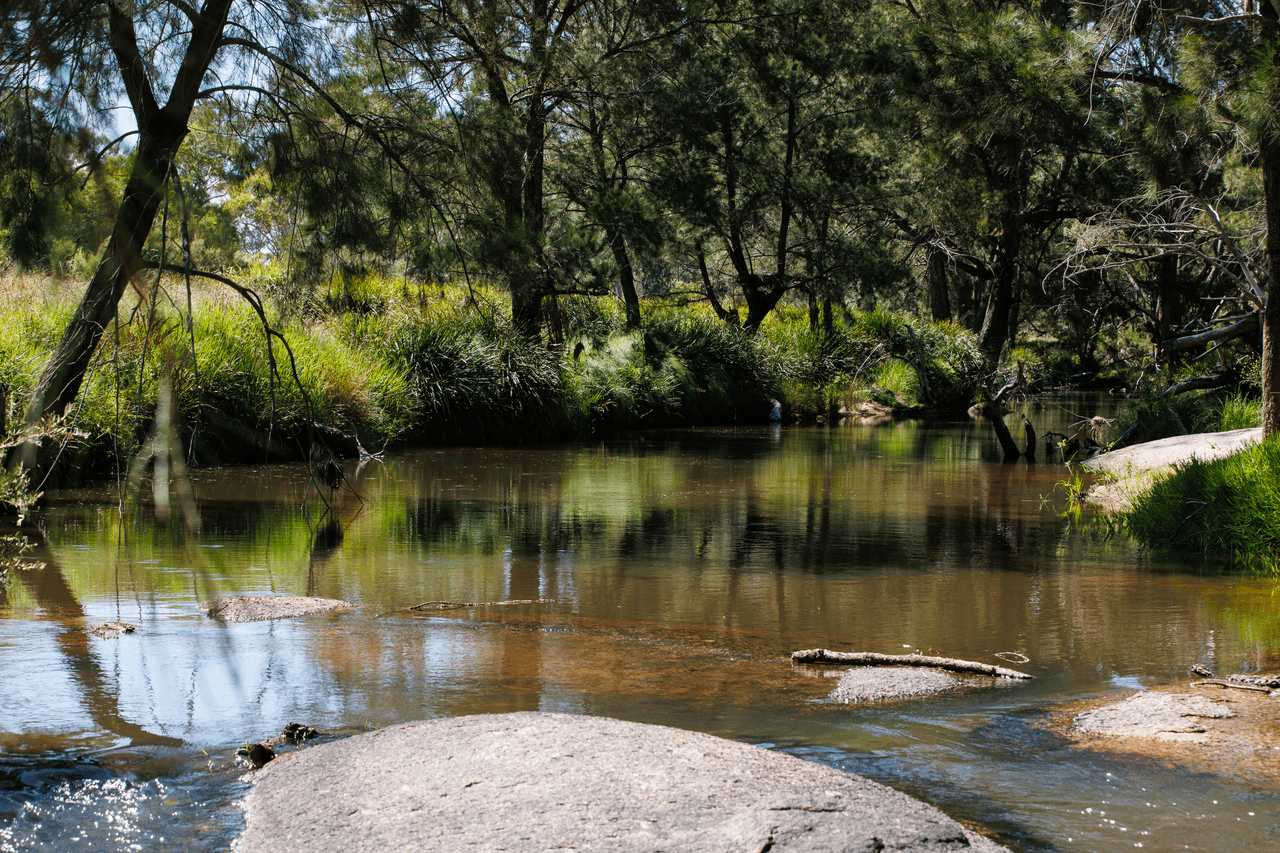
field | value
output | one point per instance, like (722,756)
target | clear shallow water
(684,567)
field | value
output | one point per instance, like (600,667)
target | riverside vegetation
(390,362)
(464,209)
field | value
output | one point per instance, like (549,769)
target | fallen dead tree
(993,410)
(874,659)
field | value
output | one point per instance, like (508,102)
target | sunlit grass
(1225,508)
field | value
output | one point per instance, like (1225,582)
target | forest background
(247,229)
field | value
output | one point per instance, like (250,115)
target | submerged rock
(112,630)
(869,684)
(536,781)
(252,608)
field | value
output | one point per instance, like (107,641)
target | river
(677,571)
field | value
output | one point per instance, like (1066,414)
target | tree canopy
(1031,170)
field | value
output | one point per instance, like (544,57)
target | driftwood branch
(993,411)
(457,605)
(874,659)
(1257,688)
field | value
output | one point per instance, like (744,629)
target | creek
(677,571)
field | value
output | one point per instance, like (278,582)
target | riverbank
(1132,471)
(1207,497)
(401,364)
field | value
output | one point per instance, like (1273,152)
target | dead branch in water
(457,605)
(874,659)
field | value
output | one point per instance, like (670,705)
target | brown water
(683,568)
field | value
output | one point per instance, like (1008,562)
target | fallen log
(875,659)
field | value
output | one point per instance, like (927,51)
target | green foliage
(1229,507)
(345,384)
(470,380)
(1239,412)
(676,370)
(871,356)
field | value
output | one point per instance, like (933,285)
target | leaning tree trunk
(62,378)
(161,131)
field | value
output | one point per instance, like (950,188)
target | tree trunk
(526,305)
(762,293)
(60,383)
(995,321)
(160,133)
(626,277)
(725,315)
(1269,153)
(935,274)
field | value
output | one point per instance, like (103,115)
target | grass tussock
(1229,507)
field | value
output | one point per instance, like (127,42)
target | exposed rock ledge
(535,782)
(253,608)
(1206,729)
(1135,468)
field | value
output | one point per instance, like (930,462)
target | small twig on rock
(874,659)
(455,605)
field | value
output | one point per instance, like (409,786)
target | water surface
(678,571)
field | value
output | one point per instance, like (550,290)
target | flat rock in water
(252,608)
(871,683)
(1164,716)
(535,781)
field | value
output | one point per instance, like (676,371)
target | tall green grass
(391,360)
(677,369)
(1226,508)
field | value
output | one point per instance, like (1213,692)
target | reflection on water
(683,568)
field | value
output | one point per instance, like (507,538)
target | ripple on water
(115,814)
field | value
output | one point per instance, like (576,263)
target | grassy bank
(390,362)
(1226,509)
